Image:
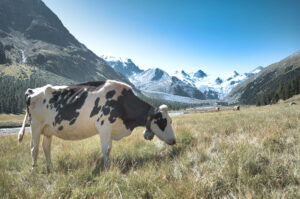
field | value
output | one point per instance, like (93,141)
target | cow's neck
(136,110)
(142,119)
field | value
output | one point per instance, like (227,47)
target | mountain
(158,80)
(214,86)
(32,34)
(155,80)
(123,66)
(267,80)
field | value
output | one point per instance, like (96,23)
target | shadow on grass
(125,164)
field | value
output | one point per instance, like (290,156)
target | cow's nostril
(172,142)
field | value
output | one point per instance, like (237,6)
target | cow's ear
(163,108)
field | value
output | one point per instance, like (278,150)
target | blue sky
(215,36)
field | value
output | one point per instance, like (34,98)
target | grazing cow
(292,103)
(217,108)
(75,112)
(236,108)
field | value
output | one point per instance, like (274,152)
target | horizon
(216,37)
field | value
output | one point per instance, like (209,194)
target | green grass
(252,153)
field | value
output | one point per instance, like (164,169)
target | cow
(108,108)
(217,108)
(292,103)
(236,108)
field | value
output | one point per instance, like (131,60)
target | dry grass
(252,153)
(11,120)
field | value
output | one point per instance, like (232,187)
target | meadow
(251,153)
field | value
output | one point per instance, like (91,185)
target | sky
(216,36)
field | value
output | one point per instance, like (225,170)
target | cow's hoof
(20,137)
(148,135)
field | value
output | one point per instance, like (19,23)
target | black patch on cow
(102,122)
(129,108)
(98,119)
(68,101)
(44,101)
(72,121)
(47,106)
(92,84)
(161,122)
(96,108)
(60,128)
(106,108)
(110,94)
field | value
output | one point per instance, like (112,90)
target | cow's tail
(22,130)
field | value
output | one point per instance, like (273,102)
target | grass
(11,120)
(252,153)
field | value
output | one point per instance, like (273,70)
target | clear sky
(215,36)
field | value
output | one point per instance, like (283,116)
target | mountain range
(36,49)
(197,85)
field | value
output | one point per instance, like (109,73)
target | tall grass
(252,153)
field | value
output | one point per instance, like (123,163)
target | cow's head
(160,124)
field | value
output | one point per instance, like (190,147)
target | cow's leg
(35,141)
(47,151)
(106,142)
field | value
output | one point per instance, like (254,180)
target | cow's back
(73,111)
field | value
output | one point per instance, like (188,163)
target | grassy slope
(267,80)
(252,153)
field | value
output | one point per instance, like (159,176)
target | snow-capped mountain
(123,66)
(188,84)
(155,79)
(214,86)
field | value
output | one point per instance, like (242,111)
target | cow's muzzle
(148,135)
(171,142)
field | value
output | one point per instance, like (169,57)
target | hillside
(253,153)
(36,49)
(32,34)
(266,81)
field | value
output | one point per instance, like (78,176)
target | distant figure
(236,108)
(217,108)
(292,103)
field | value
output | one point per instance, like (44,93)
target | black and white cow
(75,112)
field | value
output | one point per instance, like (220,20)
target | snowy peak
(123,66)
(200,74)
(219,81)
(184,74)
(158,74)
(235,74)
